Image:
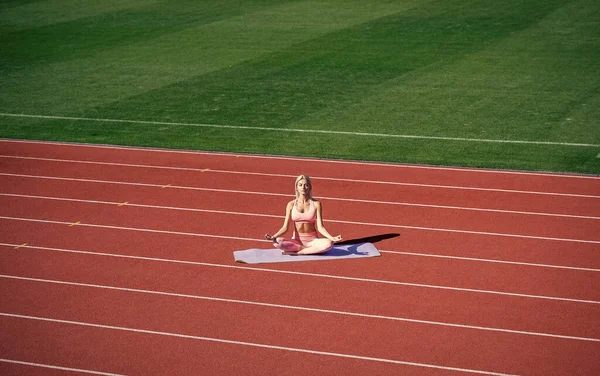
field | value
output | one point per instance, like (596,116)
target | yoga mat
(338,252)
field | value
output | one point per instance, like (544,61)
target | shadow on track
(369,239)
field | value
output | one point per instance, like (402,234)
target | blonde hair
(309,193)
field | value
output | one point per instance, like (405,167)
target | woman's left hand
(336,239)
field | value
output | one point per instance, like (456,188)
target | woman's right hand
(268,237)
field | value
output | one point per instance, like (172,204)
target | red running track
(119,261)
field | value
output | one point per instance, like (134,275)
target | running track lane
(323,332)
(573,202)
(294,166)
(559,223)
(173,354)
(552,252)
(351,295)
(538,281)
(337,211)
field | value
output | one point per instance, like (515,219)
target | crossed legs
(303,246)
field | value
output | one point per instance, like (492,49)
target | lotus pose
(305,212)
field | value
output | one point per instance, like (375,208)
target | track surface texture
(119,261)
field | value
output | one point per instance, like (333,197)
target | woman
(305,212)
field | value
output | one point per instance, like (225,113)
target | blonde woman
(305,212)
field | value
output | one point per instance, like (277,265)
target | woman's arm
(286,222)
(320,226)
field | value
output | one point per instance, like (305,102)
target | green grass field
(329,78)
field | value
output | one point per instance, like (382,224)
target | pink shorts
(305,238)
(297,242)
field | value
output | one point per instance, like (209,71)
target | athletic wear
(307,242)
(309,216)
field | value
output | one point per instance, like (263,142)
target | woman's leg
(288,245)
(316,246)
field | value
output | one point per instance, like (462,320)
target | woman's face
(303,187)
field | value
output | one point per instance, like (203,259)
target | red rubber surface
(82,227)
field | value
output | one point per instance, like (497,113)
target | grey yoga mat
(338,252)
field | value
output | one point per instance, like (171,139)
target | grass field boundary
(299,130)
(306,159)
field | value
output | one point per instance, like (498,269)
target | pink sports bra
(309,216)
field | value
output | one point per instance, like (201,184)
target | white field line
(368,280)
(299,308)
(305,159)
(287,195)
(78,370)
(299,130)
(483,233)
(360,181)
(251,344)
(474,259)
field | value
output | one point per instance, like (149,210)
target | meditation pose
(305,212)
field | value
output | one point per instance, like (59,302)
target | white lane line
(80,224)
(462,259)
(299,130)
(448,207)
(436,186)
(299,308)
(368,280)
(485,233)
(320,197)
(329,220)
(58,368)
(251,344)
(490,260)
(304,159)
